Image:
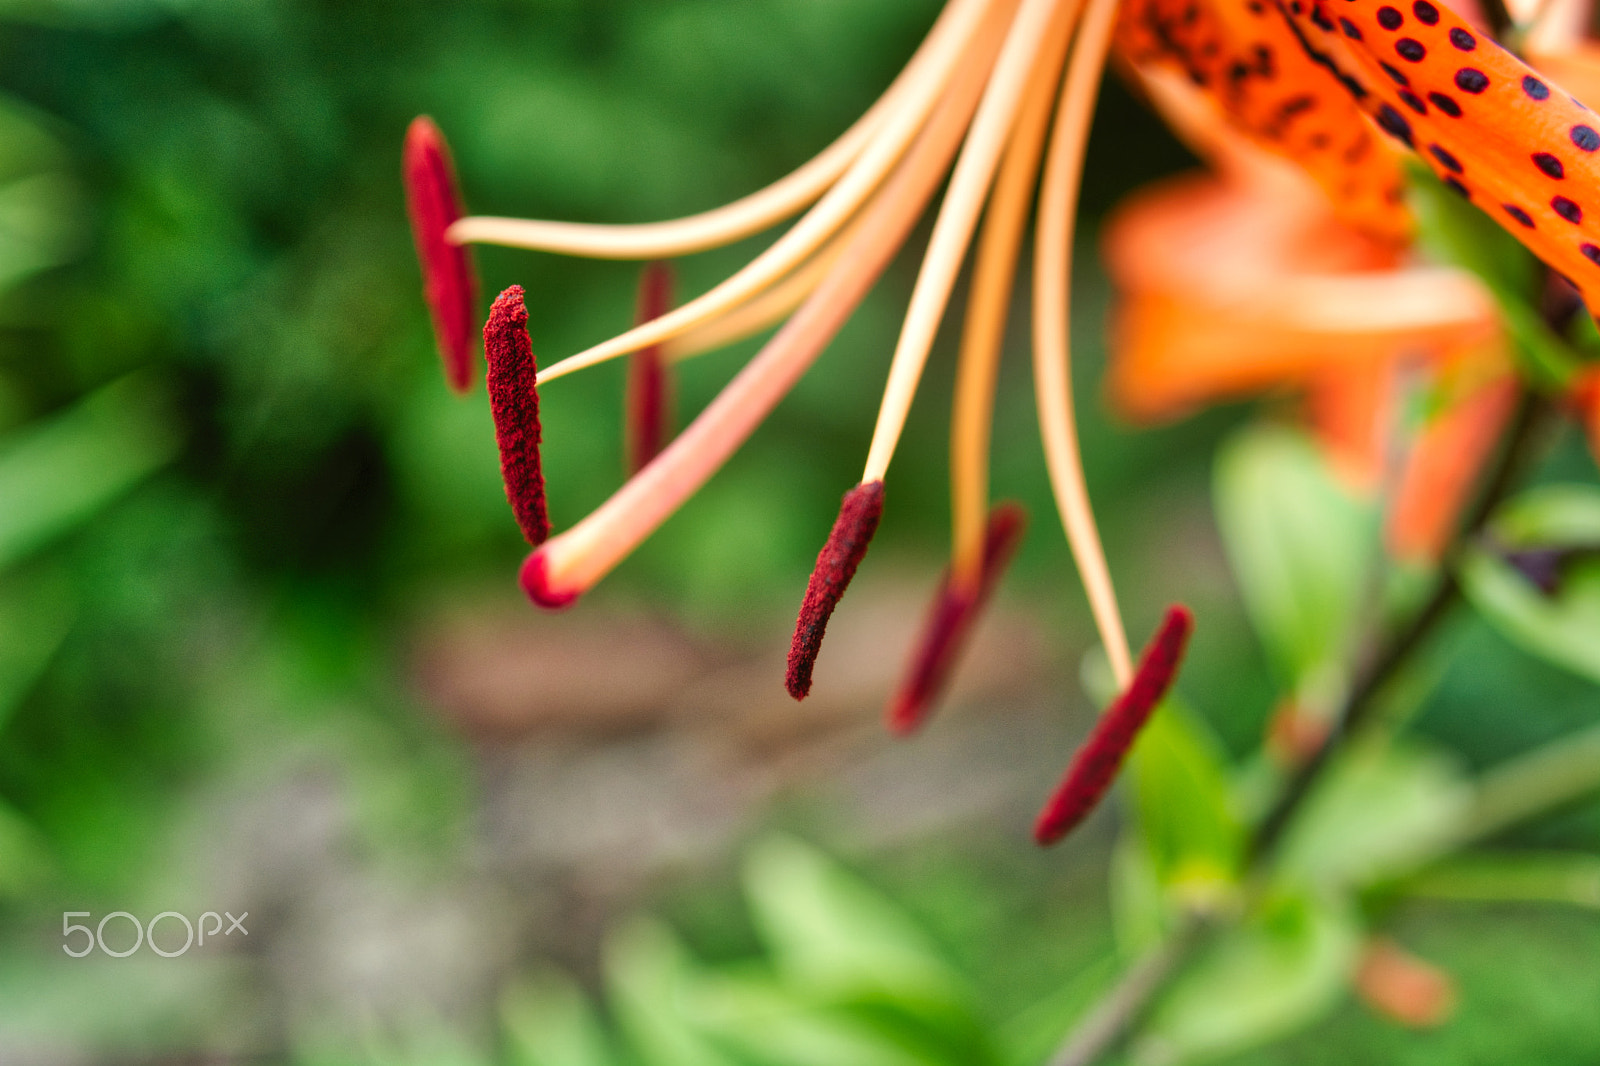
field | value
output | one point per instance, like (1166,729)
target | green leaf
(1513,877)
(1550,516)
(57,474)
(1300,546)
(34,619)
(548,1022)
(651,980)
(1180,786)
(830,932)
(1380,811)
(765,1022)
(1286,965)
(1563,628)
(25,859)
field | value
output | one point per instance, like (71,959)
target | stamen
(569,564)
(514,402)
(955,611)
(449,283)
(648,401)
(984,325)
(836,565)
(732,222)
(1095,765)
(1052,279)
(1036,29)
(767,309)
(857,185)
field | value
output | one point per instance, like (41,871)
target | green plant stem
(1107,1024)
(1382,667)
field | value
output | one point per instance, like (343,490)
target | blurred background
(261,647)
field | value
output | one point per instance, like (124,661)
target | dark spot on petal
(1351,30)
(1585,138)
(1535,88)
(1462,39)
(1590,252)
(1389,18)
(1549,164)
(1426,13)
(1414,102)
(1519,214)
(1410,49)
(1445,104)
(1459,189)
(1395,124)
(1398,75)
(1567,209)
(1321,19)
(1470,80)
(1446,160)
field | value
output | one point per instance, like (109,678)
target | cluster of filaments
(995,106)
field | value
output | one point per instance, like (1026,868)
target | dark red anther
(1095,765)
(514,402)
(449,283)
(649,393)
(950,622)
(836,565)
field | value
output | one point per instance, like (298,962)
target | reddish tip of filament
(836,565)
(950,621)
(514,402)
(649,392)
(449,283)
(1095,765)
(534,578)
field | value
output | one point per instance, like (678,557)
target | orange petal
(1227,293)
(1349,410)
(1494,129)
(1246,57)
(1442,467)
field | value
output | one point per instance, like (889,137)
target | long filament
(1052,278)
(864,177)
(578,558)
(958,215)
(984,325)
(731,222)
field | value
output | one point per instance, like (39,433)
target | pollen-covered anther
(950,620)
(449,282)
(1095,765)
(836,565)
(514,402)
(649,391)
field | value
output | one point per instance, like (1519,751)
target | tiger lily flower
(1000,92)
(995,107)
(1309,303)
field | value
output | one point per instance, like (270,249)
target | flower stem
(1104,1027)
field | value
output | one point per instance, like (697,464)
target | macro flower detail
(649,403)
(449,283)
(846,546)
(956,606)
(1491,127)
(1095,765)
(514,403)
(999,92)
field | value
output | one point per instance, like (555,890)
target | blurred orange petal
(1404,988)
(1228,292)
(1443,465)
